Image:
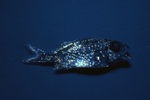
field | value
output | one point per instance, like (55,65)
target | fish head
(116,51)
(111,53)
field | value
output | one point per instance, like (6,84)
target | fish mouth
(126,56)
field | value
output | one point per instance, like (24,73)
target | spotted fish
(82,53)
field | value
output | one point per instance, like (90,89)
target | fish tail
(39,55)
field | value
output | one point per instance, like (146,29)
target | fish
(81,53)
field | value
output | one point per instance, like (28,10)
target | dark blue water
(46,23)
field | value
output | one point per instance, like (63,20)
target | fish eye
(115,46)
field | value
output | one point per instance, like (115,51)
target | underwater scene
(74,50)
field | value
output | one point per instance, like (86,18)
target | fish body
(82,53)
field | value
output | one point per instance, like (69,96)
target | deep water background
(47,23)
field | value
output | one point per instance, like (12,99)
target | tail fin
(40,56)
